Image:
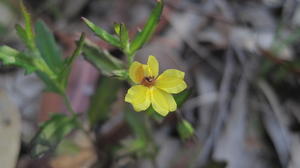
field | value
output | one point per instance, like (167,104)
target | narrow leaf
(103,99)
(29,38)
(77,51)
(11,56)
(51,85)
(148,29)
(22,34)
(47,46)
(102,60)
(64,74)
(117,27)
(101,33)
(121,74)
(51,133)
(124,37)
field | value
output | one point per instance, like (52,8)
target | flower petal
(139,97)
(171,81)
(136,72)
(152,67)
(162,102)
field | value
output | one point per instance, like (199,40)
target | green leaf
(101,33)
(121,74)
(51,84)
(117,27)
(103,99)
(149,28)
(51,133)
(64,74)
(77,51)
(185,129)
(124,37)
(181,97)
(48,47)
(10,56)
(22,34)
(143,144)
(102,60)
(67,147)
(26,34)
(154,115)
(137,124)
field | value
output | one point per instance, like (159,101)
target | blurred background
(241,59)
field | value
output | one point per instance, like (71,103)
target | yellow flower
(150,89)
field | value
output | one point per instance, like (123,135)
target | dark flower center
(148,81)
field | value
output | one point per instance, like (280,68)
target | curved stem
(70,109)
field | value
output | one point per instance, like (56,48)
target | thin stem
(130,57)
(68,105)
(70,109)
(149,133)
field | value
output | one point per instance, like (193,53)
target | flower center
(148,81)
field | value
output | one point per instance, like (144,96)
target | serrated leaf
(102,60)
(101,33)
(185,129)
(10,56)
(102,100)
(148,29)
(51,133)
(48,48)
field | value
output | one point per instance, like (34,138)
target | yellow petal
(152,67)
(162,102)
(136,72)
(139,97)
(171,81)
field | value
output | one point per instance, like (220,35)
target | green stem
(130,57)
(149,133)
(70,109)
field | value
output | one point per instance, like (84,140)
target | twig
(280,122)
(222,108)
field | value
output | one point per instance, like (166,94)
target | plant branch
(70,109)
